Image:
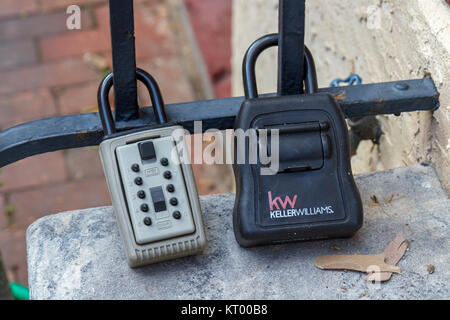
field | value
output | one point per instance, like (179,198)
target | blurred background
(47,70)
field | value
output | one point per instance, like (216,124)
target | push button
(164,162)
(167,174)
(147,150)
(148,221)
(174,201)
(177,215)
(141,194)
(158,199)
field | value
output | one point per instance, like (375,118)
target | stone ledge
(78,254)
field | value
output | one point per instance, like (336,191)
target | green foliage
(9,210)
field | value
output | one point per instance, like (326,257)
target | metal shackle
(104,108)
(252,54)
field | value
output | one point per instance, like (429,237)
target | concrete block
(78,254)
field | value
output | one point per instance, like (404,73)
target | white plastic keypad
(154,189)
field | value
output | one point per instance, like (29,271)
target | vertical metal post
(124,59)
(291,33)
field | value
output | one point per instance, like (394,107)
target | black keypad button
(170,188)
(138,181)
(148,221)
(167,174)
(147,150)
(159,202)
(135,167)
(164,162)
(177,215)
(144,207)
(141,194)
(173,201)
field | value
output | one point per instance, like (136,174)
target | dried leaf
(393,252)
(379,267)
(356,262)
(374,199)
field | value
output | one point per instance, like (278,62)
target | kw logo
(273,202)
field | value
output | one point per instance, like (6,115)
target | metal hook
(104,107)
(252,54)
(351,80)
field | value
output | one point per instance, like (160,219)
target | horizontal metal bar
(386,97)
(84,130)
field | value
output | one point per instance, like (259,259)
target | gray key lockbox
(153,192)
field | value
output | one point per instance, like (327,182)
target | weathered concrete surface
(381,40)
(78,254)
